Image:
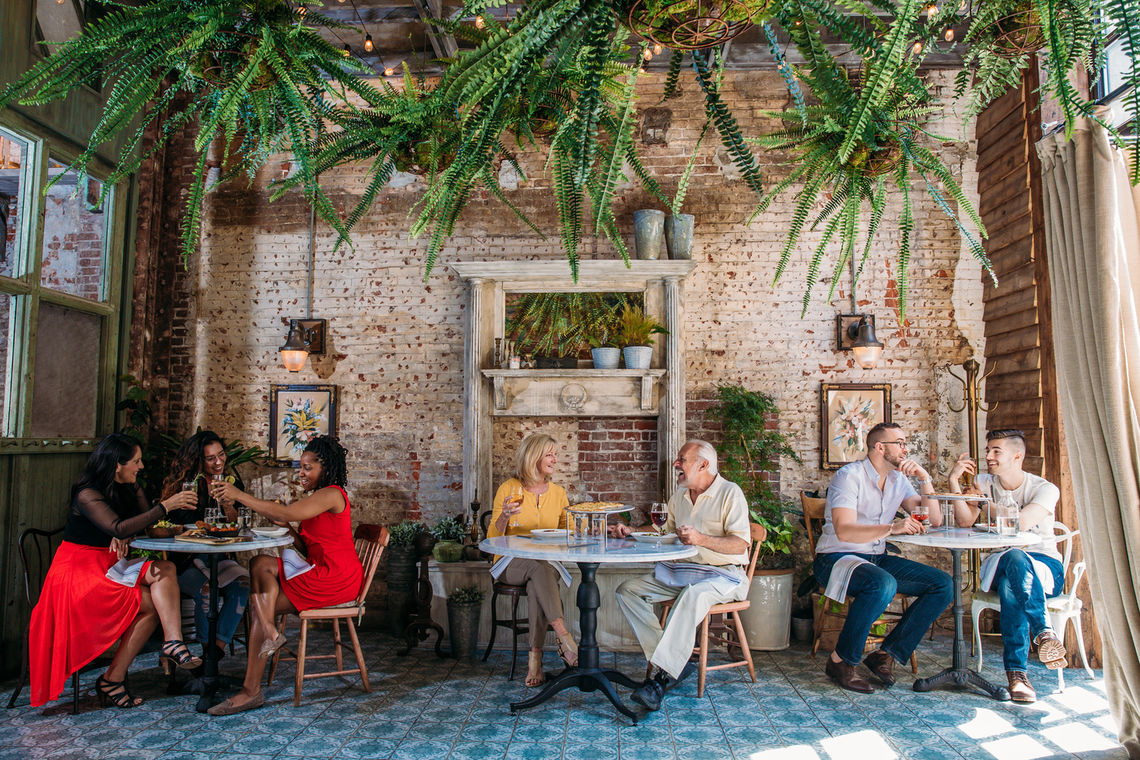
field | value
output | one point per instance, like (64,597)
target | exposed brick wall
(396,344)
(72,242)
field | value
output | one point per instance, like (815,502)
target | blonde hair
(532,449)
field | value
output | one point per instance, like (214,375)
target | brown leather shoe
(1019,688)
(1050,650)
(845,676)
(880,664)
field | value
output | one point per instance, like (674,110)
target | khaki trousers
(543,600)
(670,648)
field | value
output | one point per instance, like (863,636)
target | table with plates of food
(213,541)
(586,543)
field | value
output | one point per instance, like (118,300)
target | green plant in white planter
(449,533)
(633,331)
(463,608)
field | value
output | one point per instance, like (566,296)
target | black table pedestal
(587,675)
(958,675)
(208,683)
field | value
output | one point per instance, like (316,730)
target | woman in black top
(81,611)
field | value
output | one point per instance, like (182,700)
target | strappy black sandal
(174,653)
(115,693)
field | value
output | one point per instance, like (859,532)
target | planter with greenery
(464,605)
(554,327)
(449,534)
(633,331)
(748,450)
(402,555)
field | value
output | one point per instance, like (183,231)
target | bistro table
(588,674)
(209,682)
(956,540)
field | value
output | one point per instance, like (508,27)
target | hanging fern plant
(253,75)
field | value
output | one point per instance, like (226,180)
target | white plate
(273,532)
(650,537)
(549,534)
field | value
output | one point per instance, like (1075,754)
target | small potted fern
(633,331)
(464,605)
(449,533)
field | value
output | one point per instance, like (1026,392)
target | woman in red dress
(325,537)
(81,612)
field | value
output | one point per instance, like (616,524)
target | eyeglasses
(903,444)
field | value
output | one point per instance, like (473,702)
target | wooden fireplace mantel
(490,391)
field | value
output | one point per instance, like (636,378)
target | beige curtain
(1091,215)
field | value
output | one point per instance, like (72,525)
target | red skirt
(80,614)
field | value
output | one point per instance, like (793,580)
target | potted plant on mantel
(449,533)
(748,451)
(633,331)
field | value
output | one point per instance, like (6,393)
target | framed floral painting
(847,411)
(297,414)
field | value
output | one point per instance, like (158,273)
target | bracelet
(158,503)
(927,482)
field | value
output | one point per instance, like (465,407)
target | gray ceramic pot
(637,357)
(606,357)
(679,236)
(649,233)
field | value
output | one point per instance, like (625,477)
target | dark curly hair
(332,456)
(189,460)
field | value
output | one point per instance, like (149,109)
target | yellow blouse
(547,510)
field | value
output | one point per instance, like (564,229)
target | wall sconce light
(306,336)
(856,332)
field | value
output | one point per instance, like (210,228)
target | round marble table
(208,686)
(587,675)
(956,540)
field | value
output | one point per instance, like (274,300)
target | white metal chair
(1061,609)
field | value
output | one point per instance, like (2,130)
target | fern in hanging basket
(253,74)
(693,24)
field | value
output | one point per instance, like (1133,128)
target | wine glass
(215,503)
(514,503)
(189,485)
(659,515)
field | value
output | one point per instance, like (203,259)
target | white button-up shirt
(856,486)
(721,510)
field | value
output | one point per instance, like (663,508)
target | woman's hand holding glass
(512,506)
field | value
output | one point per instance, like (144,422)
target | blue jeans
(872,588)
(234,596)
(1022,603)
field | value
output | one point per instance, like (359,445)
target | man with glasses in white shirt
(851,557)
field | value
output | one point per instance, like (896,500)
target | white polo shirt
(856,486)
(721,510)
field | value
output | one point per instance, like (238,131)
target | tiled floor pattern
(424,707)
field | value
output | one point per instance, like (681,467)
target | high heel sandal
(115,693)
(534,673)
(568,650)
(175,654)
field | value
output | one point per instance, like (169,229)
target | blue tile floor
(424,707)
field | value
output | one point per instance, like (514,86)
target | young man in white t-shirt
(1020,577)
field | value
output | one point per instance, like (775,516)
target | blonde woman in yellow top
(524,503)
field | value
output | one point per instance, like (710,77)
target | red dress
(337,573)
(81,612)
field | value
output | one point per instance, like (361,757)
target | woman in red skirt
(325,537)
(81,612)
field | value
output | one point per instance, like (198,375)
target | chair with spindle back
(36,548)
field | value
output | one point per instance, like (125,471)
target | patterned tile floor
(424,707)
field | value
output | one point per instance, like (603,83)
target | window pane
(7,303)
(13,165)
(74,235)
(66,373)
(56,22)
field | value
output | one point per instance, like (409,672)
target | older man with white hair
(710,513)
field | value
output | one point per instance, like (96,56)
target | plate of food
(164,529)
(275,531)
(219,530)
(650,537)
(599,507)
(548,534)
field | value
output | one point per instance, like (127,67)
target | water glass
(1008,517)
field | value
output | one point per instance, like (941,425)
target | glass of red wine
(659,514)
(921,513)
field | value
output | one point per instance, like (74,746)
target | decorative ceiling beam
(443,44)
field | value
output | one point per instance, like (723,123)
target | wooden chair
(37,547)
(719,631)
(370,543)
(814,509)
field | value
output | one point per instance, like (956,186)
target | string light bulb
(479,22)
(656,50)
(347,51)
(389,71)
(931,9)
(368,42)
(647,54)
(301,11)
(948,35)
(917,49)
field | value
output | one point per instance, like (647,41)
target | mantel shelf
(575,392)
